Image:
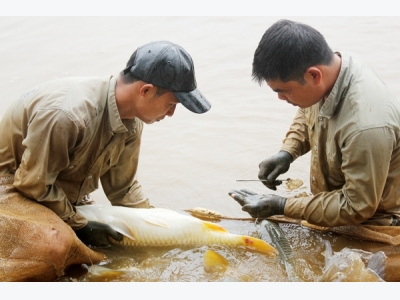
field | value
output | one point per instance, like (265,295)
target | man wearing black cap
(60,138)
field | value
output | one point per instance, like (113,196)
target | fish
(270,230)
(161,227)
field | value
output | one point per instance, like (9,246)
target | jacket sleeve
(119,182)
(297,141)
(50,134)
(365,165)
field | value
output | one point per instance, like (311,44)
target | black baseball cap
(169,66)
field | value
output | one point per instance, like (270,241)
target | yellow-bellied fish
(165,227)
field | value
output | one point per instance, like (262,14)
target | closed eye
(281,91)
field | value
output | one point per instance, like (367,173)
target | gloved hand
(274,166)
(259,206)
(96,234)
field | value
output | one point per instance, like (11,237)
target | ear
(146,88)
(314,74)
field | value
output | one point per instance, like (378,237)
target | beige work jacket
(62,137)
(354,138)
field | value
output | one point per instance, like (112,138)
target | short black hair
(287,49)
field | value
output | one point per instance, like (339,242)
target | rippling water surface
(193,160)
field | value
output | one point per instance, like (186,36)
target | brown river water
(193,160)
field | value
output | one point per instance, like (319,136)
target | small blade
(261,179)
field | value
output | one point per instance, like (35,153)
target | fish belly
(164,227)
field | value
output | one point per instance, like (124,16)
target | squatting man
(347,118)
(63,136)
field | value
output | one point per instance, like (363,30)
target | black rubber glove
(274,166)
(259,206)
(96,234)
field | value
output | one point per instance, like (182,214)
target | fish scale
(166,228)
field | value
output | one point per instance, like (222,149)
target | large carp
(165,227)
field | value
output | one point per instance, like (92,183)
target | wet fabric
(36,245)
(62,137)
(354,139)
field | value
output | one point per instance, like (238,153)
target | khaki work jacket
(354,138)
(62,137)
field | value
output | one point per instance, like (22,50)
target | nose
(171,111)
(282,97)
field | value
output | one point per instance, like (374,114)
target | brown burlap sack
(36,245)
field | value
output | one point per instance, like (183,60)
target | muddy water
(193,160)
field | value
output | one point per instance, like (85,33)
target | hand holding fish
(161,227)
(96,234)
(259,206)
(274,166)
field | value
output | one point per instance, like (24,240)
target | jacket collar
(117,125)
(339,89)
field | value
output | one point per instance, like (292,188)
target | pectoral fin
(155,221)
(103,274)
(122,228)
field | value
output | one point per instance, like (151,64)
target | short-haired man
(347,118)
(60,138)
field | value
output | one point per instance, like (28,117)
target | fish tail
(248,242)
(258,245)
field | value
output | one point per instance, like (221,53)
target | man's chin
(148,122)
(152,121)
(291,103)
